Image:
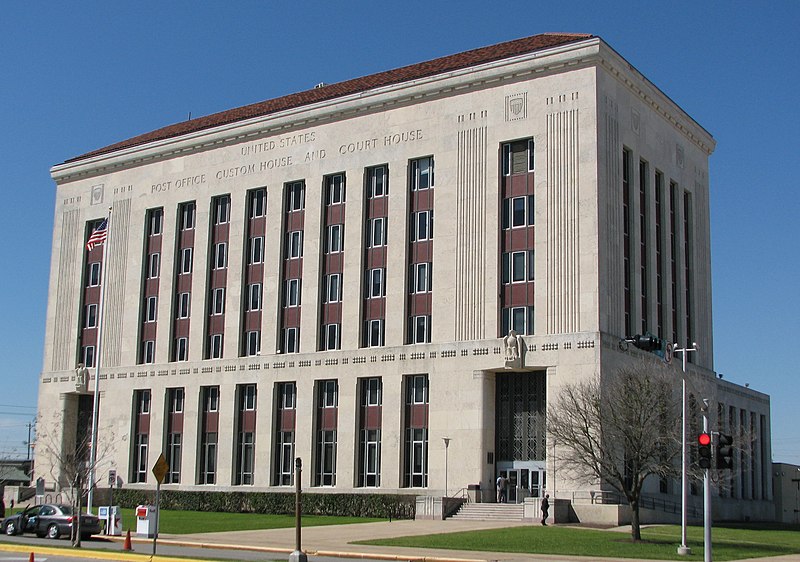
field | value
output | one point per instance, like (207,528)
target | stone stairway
(490,512)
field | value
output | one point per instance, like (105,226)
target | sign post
(160,470)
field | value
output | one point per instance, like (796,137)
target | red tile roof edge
(440,65)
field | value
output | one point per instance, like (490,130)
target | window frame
(258,202)
(188,215)
(253,343)
(291,335)
(181,348)
(254,297)
(372,183)
(374,327)
(295,196)
(332,293)
(222,209)
(94,273)
(418,173)
(292,296)
(151,309)
(376,277)
(187,259)
(426,270)
(334,243)
(184,305)
(220,255)
(90,316)
(217,301)
(256,253)
(418,218)
(153,265)
(215,346)
(334,194)
(380,240)
(294,244)
(331,334)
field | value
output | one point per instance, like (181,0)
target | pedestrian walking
(545,508)
(501,489)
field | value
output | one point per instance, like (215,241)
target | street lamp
(446,445)
(683,549)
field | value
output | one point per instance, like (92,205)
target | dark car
(50,520)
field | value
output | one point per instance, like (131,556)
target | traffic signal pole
(706,495)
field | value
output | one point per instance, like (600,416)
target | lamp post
(683,549)
(446,445)
(298,555)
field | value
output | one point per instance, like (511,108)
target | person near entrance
(545,508)
(501,489)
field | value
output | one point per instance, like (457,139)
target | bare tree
(70,466)
(620,431)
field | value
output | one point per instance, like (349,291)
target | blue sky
(81,75)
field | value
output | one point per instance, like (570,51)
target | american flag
(98,235)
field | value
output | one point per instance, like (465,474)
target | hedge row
(281,503)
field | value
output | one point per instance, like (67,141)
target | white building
(274,287)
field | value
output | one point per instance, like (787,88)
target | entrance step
(490,512)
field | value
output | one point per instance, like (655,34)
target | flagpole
(96,402)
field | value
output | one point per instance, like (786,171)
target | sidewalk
(329,542)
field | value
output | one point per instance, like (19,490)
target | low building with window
(332,274)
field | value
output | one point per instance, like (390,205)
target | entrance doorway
(520,432)
(523,482)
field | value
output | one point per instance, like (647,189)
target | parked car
(49,520)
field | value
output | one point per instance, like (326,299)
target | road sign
(112,477)
(161,468)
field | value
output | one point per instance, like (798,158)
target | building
(786,484)
(254,257)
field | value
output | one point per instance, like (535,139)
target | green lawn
(184,522)
(659,543)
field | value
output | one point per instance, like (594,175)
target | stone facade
(573,111)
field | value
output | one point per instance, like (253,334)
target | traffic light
(724,451)
(647,342)
(704,450)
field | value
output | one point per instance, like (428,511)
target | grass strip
(659,543)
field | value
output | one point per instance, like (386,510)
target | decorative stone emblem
(513,346)
(97,194)
(516,106)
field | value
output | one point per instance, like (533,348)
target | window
(518,267)
(215,346)
(375,283)
(326,458)
(295,196)
(211,399)
(222,209)
(419,328)
(246,457)
(142,401)
(292,297)
(294,244)
(332,287)
(156,222)
(258,203)
(88,356)
(254,297)
(218,301)
(176,400)
(90,316)
(370,466)
(287,396)
(285,460)
(151,309)
(371,391)
(252,343)
(148,351)
(220,255)
(328,394)
(140,458)
(333,243)
(153,262)
(518,211)
(518,157)
(173,458)
(181,349)
(421,281)
(249,397)
(416,450)
(335,189)
(291,343)
(376,232)
(373,336)
(377,182)
(256,254)
(186,260)
(187,216)
(418,389)
(422,173)
(184,305)
(519,319)
(208,458)
(422,226)
(93,275)
(330,336)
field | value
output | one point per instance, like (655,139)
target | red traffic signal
(704,450)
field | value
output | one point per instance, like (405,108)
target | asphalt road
(143,548)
